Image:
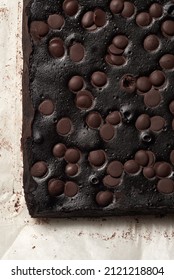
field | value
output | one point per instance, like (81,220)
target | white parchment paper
(24,238)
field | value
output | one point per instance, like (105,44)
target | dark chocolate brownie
(98,107)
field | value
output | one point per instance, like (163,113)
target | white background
(24,238)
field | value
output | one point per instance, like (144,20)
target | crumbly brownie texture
(99,132)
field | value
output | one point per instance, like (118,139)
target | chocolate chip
(128,9)
(164,169)
(104,198)
(152,98)
(149,172)
(114,118)
(128,83)
(72,155)
(143,122)
(71,169)
(131,167)
(84,99)
(77,52)
(39,169)
(117,60)
(120,41)
(110,182)
(59,150)
(38,29)
(157,78)
(143,19)
(171,107)
(55,21)
(64,126)
(152,158)
(88,19)
(99,17)
(168,27)
(55,187)
(107,132)
(94,120)
(141,157)
(97,158)
(166,186)
(172,157)
(157,123)
(99,79)
(156,10)
(167,61)
(56,47)
(70,7)
(151,43)
(71,189)
(115,169)
(114,50)
(116,6)
(46,107)
(76,83)
(144,84)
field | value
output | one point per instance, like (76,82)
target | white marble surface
(26,238)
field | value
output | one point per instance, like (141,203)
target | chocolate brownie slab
(98,107)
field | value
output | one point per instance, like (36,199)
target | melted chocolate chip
(56,48)
(76,83)
(70,7)
(84,100)
(46,107)
(55,187)
(110,182)
(99,79)
(59,150)
(64,126)
(128,83)
(104,198)
(143,19)
(38,29)
(97,158)
(165,186)
(107,132)
(72,155)
(116,6)
(77,52)
(94,120)
(115,169)
(55,21)
(143,122)
(156,10)
(39,169)
(131,167)
(71,189)
(71,169)
(141,157)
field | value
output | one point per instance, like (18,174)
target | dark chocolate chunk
(98,107)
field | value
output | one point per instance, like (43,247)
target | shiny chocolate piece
(38,29)
(70,7)
(71,189)
(39,169)
(76,83)
(56,47)
(104,198)
(55,21)
(46,107)
(76,52)
(64,126)
(98,107)
(97,158)
(55,187)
